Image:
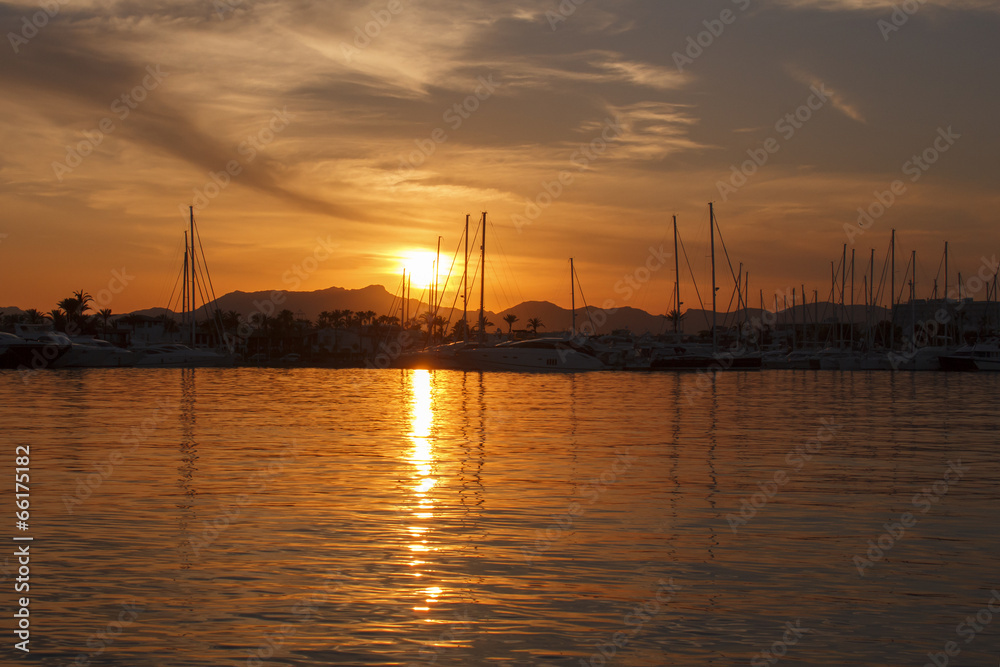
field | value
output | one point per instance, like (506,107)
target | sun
(419,265)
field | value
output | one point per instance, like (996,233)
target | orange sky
(289,130)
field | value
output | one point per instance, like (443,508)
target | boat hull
(31,355)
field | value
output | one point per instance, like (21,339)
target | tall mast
(572,299)
(482,286)
(871,296)
(194,287)
(913,294)
(946,270)
(711,231)
(465,284)
(795,322)
(843,288)
(851,319)
(892,302)
(184,287)
(437,272)
(677,283)
(403,299)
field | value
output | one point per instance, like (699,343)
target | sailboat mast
(892,296)
(711,231)
(677,283)
(852,298)
(403,298)
(437,273)
(871,297)
(913,294)
(194,287)
(572,299)
(946,270)
(843,288)
(465,285)
(184,287)
(482,286)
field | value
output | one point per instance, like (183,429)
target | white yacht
(979,357)
(89,352)
(539,354)
(174,355)
(35,346)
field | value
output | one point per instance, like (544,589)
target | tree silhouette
(535,324)
(510,318)
(105,315)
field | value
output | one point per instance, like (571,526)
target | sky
(322,144)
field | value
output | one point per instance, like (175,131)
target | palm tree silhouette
(105,315)
(535,324)
(510,318)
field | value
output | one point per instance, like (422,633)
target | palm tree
(83,299)
(34,316)
(535,324)
(676,317)
(105,315)
(428,319)
(510,318)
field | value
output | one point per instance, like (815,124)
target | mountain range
(308,305)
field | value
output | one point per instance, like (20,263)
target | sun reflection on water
(422,459)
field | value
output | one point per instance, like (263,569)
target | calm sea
(354,517)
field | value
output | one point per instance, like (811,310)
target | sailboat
(178,355)
(569,354)
(684,357)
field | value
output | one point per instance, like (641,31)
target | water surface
(359,517)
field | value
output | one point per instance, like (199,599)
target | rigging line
(170,302)
(173,262)
(506,259)
(204,263)
(902,287)
(498,281)
(691,271)
(447,279)
(732,271)
(583,296)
